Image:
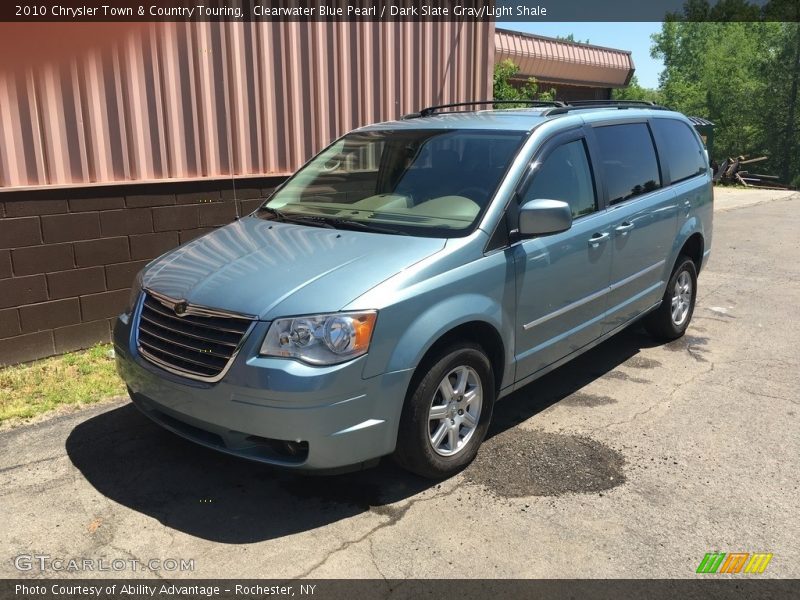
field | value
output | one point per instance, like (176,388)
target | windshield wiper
(298,219)
(353,224)
(273,211)
(329,222)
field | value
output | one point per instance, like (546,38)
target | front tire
(670,320)
(447,412)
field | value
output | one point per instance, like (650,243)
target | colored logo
(734,562)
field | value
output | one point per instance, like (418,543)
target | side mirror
(543,217)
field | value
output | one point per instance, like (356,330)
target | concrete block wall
(68,256)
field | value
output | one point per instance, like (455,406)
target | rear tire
(670,320)
(446,413)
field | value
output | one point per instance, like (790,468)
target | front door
(562,279)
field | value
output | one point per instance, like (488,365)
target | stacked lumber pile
(735,171)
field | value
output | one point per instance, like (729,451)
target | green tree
(634,91)
(743,76)
(570,37)
(506,88)
(785,86)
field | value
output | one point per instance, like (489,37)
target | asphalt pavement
(635,460)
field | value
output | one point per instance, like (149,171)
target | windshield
(433,183)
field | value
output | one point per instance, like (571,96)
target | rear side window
(565,175)
(680,149)
(628,160)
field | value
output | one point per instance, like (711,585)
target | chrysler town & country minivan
(413,273)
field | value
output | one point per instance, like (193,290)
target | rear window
(680,149)
(628,160)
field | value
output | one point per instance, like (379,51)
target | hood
(270,269)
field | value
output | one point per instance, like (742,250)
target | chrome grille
(191,341)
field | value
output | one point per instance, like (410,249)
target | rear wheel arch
(661,322)
(693,247)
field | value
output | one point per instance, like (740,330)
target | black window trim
(663,172)
(547,151)
(578,132)
(660,141)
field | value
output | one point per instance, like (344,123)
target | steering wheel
(332,164)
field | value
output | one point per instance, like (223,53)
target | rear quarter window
(628,160)
(679,148)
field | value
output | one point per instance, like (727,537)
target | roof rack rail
(610,102)
(619,104)
(431,110)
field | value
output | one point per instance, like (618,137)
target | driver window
(565,175)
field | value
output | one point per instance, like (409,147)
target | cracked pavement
(632,461)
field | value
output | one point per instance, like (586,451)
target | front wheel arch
(481,334)
(417,447)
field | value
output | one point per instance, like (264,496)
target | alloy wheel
(681,298)
(455,411)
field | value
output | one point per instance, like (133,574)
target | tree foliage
(635,91)
(506,88)
(571,38)
(743,76)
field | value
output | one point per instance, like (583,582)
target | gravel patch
(522,462)
(586,400)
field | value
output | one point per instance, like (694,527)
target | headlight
(136,289)
(321,339)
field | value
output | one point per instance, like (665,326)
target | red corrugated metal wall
(207,100)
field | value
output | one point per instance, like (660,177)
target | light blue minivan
(414,272)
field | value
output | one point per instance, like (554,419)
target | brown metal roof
(559,61)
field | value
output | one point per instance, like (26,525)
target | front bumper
(334,417)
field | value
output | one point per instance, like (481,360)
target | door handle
(598,238)
(624,227)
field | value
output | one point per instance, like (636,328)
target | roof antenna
(232,163)
(235,200)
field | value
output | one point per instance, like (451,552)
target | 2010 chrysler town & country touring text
(413,273)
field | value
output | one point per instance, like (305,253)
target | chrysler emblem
(180,307)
